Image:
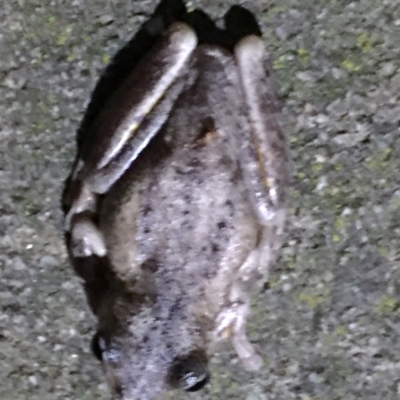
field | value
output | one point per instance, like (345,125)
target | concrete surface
(328,325)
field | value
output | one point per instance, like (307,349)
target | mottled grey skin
(171,226)
(184,214)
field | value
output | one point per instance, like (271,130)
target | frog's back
(180,218)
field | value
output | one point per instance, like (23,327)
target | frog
(175,205)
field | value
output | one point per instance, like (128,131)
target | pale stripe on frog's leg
(265,151)
(123,114)
(100,180)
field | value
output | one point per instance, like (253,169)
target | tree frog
(175,205)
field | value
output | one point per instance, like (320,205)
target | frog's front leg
(131,118)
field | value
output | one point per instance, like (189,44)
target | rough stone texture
(328,325)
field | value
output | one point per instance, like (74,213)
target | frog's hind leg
(263,157)
(126,60)
(266,157)
(100,180)
(128,117)
(131,118)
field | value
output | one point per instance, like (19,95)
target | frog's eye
(98,346)
(190,373)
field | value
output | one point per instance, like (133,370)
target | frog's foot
(231,324)
(245,351)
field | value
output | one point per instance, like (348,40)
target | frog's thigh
(142,106)
(264,158)
(264,155)
(102,179)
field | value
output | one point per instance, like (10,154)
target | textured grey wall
(328,326)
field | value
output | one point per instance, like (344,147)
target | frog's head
(149,345)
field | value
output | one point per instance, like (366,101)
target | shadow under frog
(175,205)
